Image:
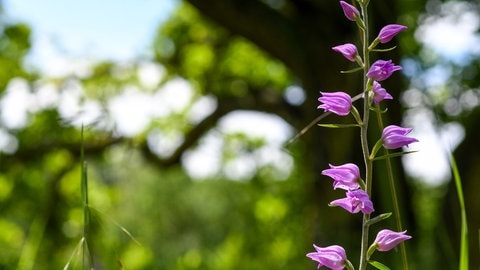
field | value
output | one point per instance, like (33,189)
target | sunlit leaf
(378,265)
(338,125)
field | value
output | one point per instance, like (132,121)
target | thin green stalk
(463,262)
(364,137)
(396,208)
(87,253)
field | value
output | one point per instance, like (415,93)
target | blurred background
(188,108)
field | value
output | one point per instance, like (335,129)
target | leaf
(338,125)
(378,110)
(394,155)
(384,50)
(351,70)
(378,218)
(378,265)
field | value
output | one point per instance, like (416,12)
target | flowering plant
(347,176)
(388,239)
(333,257)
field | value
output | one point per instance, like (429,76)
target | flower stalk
(364,135)
(347,176)
(396,207)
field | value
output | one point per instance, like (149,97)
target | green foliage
(14,44)
(214,60)
(199,225)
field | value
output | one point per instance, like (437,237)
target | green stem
(364,138)
(463,262)
(396,208)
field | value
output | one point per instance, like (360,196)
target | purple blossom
(344,176)
(381,70)
(356,201)
(350,11)
(348,50)
(389,31)
(338,103)
(379,93)
(387,239)
(333,257)
(395,137)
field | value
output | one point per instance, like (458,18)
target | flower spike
(388,239)
(338,103)
(333,257)
(394,137)
(389,31)
(381,70)
(348,51)
(379,93)
(344,176)
(356,201)
(351,12)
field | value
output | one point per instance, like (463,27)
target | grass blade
(87,253)
(75,251)
(118,225)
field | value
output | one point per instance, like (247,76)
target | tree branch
(191,138)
